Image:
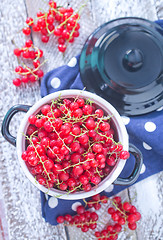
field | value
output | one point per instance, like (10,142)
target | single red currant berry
(104,126)
(61,47)
(76,130)
(111,161)
(104,232)
(77,113)
(83,179)
(87,109)
(50,19)
(48,126)
(80,102)
(65,34)
(63,176)
(36,63)
(35,28)
(90,124)
(80,209)
(132,226)
(97,234)
(95,179)
(126,206)
(28,43)
(39,73)
(132,218)
(26,31)
(32,119)
(17,52)
(68,217)
(19,69)
(71,182)
(104,199)
(42,180)
(24,155)
(61,40)
(17,82)
(83,139)
(97,148)
(124,155)
(111,210)
(85,228)
(115,216)
(39,53)
(117,228)
(29,21)
(75,146)
(52,4)
(94,216)
(24,79)
(75,34)
(45,39)
(121,221)
(87,187)
(138,216)
(77,170)
(60,219)
(117,199)
(133,209)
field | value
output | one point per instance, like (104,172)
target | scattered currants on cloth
(122,214)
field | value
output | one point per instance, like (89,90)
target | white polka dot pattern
(55,82)
(75,205)
(110,188)
(146,146)
(72,62)
(53,202)
(160,109)
(143,169)
(150,126)
(125,120)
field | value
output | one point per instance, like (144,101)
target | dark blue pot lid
(122,61)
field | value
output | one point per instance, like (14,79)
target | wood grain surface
(20,208)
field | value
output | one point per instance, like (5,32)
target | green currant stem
(37,155)
(118,208)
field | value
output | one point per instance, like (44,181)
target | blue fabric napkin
(145,132)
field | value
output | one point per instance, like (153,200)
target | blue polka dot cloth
(145,132)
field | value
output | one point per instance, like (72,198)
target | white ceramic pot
(119,128)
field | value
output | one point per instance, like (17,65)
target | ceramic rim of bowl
(103,104)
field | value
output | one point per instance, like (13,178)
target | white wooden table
(20,208)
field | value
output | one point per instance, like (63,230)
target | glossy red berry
(26,31)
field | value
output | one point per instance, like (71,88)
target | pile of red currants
(59,21)
(70,145)
(28,73)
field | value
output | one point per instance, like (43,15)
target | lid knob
(133,60)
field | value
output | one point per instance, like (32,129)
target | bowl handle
(6,122)
(137,168)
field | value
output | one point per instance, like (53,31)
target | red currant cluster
(121,213)
(84,219)
(60,21)
(124,213)
(26,73)
(70,145)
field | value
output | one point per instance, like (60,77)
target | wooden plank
(159,8)
(147,196)
(104,11)
(21,198)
